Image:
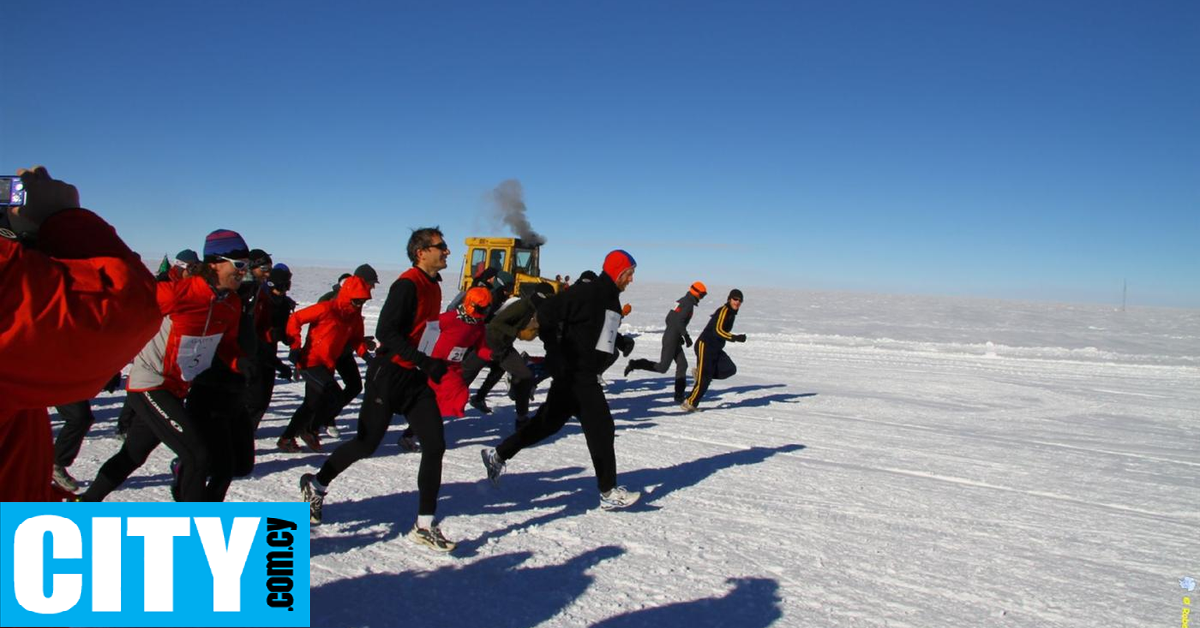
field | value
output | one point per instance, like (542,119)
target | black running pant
(393,389)
(261,386)
(228,433)
(573,394)
(77,420)
(711,363)
(352,384)
(159,417)
(322,402)
(513,364)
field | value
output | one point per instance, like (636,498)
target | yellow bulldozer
(512,255)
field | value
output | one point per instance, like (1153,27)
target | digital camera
(12,191)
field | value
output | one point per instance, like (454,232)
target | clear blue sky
(1023,149)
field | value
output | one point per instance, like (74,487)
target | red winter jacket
(332,325)
(457,338)
(200,325)
(75,308)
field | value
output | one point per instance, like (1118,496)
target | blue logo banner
(158,564)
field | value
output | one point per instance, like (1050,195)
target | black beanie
(259,258)
(367,274)
(281,277)
(735,294)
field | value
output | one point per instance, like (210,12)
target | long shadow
(570,494)
(753,603)
(758,402)
(574,495)
(495,591)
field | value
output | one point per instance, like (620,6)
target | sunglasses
(441,246)
(358,302)
(239,265)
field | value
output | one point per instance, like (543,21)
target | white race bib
(608,335)
(457,354)
(196,354)
(429,338)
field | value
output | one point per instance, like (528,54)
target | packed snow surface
(876,461)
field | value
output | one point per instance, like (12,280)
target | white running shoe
(618,498)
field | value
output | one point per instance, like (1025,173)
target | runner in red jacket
(77,306)
(332,326)
(202,317)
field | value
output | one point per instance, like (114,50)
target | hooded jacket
(333,325)
(76,307)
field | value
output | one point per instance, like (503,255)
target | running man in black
(711,360)
(579,328)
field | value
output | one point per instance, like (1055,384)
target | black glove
(285,372)
(624,344)
(739,338)
(294,356)
(687,340)
(433,368)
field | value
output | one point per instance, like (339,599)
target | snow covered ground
(877,461)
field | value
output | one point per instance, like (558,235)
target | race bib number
(196,354)
(429,338)
(457,354)
(608,335)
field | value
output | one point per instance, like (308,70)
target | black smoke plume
(509,197)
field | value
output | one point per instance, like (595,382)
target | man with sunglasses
(711,360)
(398,383)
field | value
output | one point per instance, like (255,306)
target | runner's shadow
(576,495)
(494,591)
(757,402)
(753,603)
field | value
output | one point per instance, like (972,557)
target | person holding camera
(203,315)
(79,304)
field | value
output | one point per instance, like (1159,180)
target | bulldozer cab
(508,254)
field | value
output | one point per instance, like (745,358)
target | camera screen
(12,192)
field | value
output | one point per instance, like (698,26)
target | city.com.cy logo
(161,564)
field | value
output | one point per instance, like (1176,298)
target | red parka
(332,326)
(75,309)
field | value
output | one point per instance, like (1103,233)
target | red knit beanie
(616,262)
